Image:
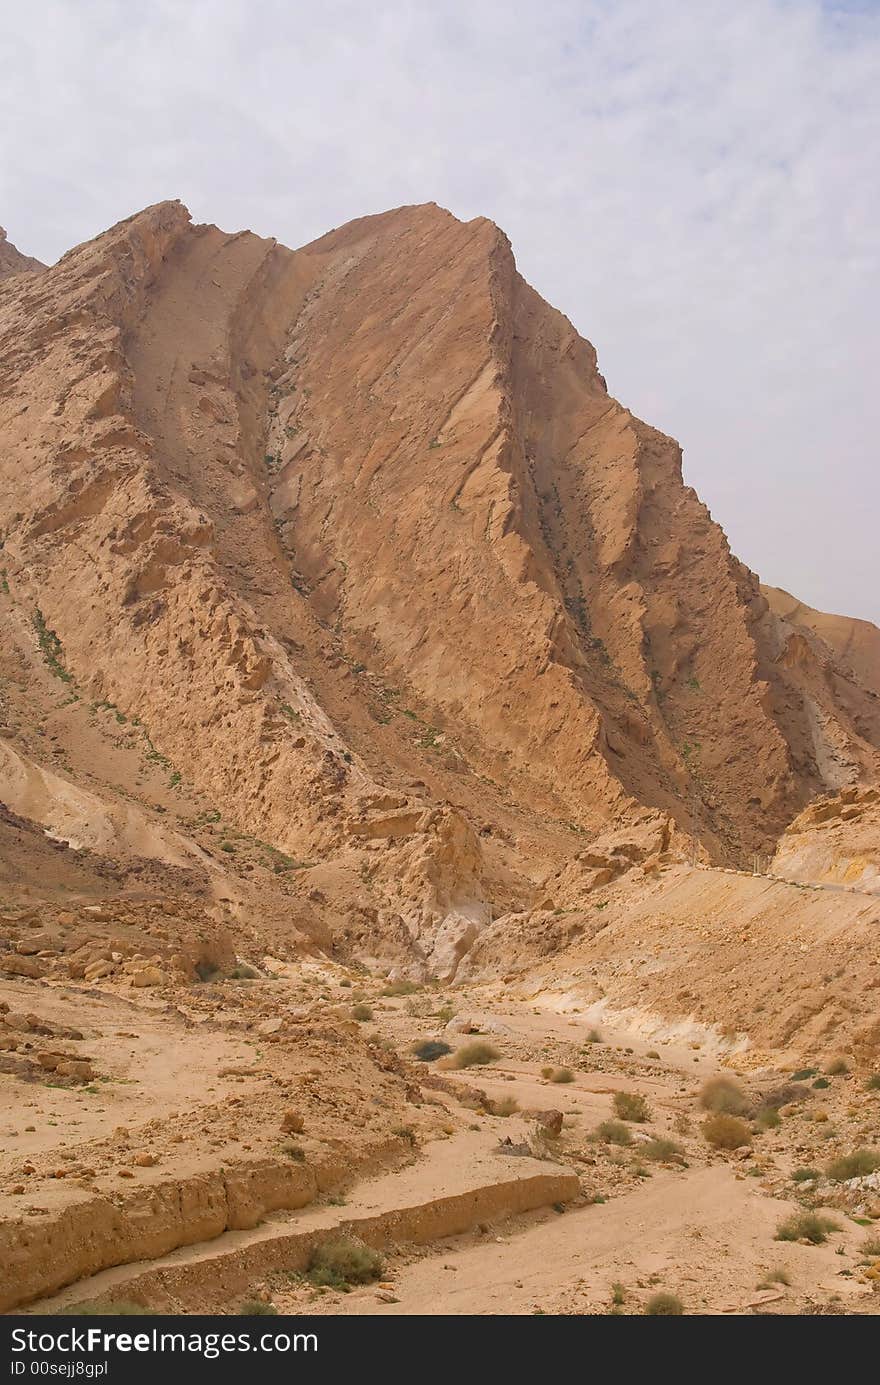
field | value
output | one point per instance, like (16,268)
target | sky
(695,183)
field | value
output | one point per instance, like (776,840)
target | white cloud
(694,184)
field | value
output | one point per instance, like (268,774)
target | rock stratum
(355,544)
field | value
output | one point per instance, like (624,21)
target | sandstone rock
(148,976)
(96,970)
(549,1121)
(15,965)
(75,1067)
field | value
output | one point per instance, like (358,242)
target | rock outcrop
(12,261)
(835,842)
(854,644)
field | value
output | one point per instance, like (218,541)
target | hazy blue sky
(696,183)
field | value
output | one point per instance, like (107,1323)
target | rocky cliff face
(359,538)
(853,645)
(12,261)
(834,842)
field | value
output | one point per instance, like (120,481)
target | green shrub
(806,1226)
(295,1152)
(257,1308)
(474,1055)
(343,1261)
(401,988)
(804,1074)
(821,1083)
(430,1050)
(630,1106)
(805,1175)
(664,1305)
(614,1133)
(856,1165)
(768,1118)
(662,1151)
(361,1013)
(724,1096)
(726,1132)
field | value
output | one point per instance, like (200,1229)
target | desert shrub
(871,1247)
(405,1132)
(873,1082)
(662,1151)
(805,1175)
(821,1083)
(295,1152)
(504,1106)
(244,972)
(474,1055)
(837,1067)
(806,1226)
(630,1106)
(561,1075)
(664,1305)
(614,1133)
(804,1074)
(361,1013)
(768,1118)
(257,1308)
(430,1050)
(726,1132)
(652,1053)
(618,1294)
(401,988)
(856,1165)
(341,1262)
(724,1096)
(773,1277)
(594,1037)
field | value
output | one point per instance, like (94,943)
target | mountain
(357,540)
(854,644)
(12,261)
